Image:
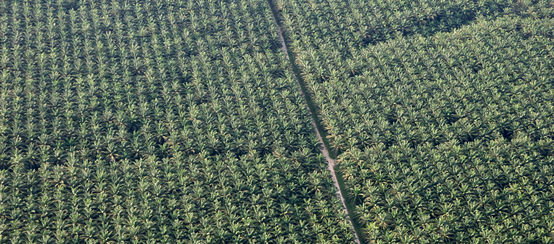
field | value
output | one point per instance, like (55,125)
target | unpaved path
(324,149)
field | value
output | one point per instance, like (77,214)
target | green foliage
(155,121)
(444,127)
(345,25)
(180,121)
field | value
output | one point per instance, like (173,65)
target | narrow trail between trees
(320,132)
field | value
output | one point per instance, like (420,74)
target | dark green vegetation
(158,121)
(441,113)
(181,121)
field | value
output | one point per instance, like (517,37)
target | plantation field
(178,121)
(440,136)
(155,121)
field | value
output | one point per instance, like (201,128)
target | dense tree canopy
(157,121)
(440,112)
